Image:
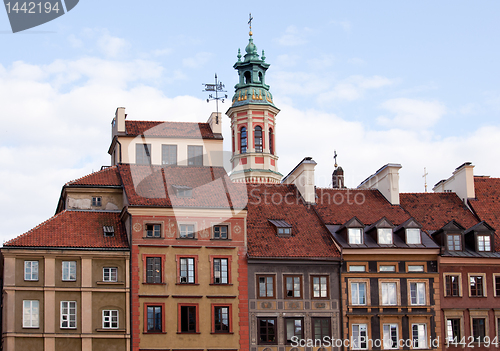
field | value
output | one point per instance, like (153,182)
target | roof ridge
(92,174)
(176,122)
(38,226)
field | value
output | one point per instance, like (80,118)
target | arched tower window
(248,77)
(271,145)
(243,140)
(258,139)
(260,77)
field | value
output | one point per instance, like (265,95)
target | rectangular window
(417,293)
(188,319)
(359,336)
(483,243)
(413,236)
(354,268)
(110,274)
(453,330)
(195,155)
(155,319)
(319,287)
(266,286)
(110,319)
(220,271)
(220,232)
(143,154)
(153,230)
(169,154)
(355,236)
(293,286)
(478,329)
(497,285)
(452,285)
(321,328)
(476,286)
(419,335)
(187,231)
(153,270)
(267,330)
(454,242)
(384,236)
(69,270)
(390,268)
(186,270)
(221,319)
(389,293)
(390,336)
(294,327)
(68,314)
(31,314)
(96,201)
(416,268)
(358,293)
(30,270)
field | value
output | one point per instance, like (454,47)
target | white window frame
(68,267)
(387,341)
(183,231)
(222,274)
(381,232)
(357,268)
(355,235)
(415,268)
(421,339)
(388,298)
(32,275)
(110,274)
(417,234)
(31,314)
(482,243)
(362,327)
(111,317)
(418,297)
(66,315)
(190,277)
(356,295)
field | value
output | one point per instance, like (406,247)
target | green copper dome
(251,88)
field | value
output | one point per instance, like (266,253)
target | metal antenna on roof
(218,87)
(425,178)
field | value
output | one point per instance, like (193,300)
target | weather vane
(218,87)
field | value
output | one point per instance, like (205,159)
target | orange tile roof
(309,239)
(486,205)
(75,229)
(434,210)
(170,129)
(337,206)
(105,177)
(149,185)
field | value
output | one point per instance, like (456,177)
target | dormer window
(355,236)
(483,243)
(413,236)
(183,191)
(283,228)
(454,242)
(109,231)
(96,201)
(384,236)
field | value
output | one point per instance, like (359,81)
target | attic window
(413,236)
(384,236)
(96,201)
(483,243)
(108,231)
(183,191)
(355,235)
(283,228)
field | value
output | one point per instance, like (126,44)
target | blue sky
(381,82)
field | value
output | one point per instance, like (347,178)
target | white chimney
(461,182)
(302,176)
(386,180)
(119,120)
(215,122)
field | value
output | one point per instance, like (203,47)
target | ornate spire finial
(239,55)
(250,18)
(263,56)
(335,158)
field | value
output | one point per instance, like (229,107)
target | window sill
(110,330)
(186,283)
(215,239)
(215,284)
(154,332)
(222,333)
(109,283)
(31,327)
(154,283)
(188,333)
(152,237)
(72,328)
(181,238)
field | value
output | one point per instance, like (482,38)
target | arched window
(258,139)
(260,77)
(248,78)
(271,145)
(243,140)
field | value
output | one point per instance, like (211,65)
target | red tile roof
(486,205)
(434,210)
(309,239)
(105,177)
(147,185)
(170,129)
(337,206)
(76,229)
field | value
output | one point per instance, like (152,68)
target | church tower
(253,121)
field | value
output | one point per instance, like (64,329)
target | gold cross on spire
(250,18)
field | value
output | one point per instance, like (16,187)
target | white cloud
(322,62)
(294,36)
(100,40)
(198,60)
(411,113)
(353,88)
